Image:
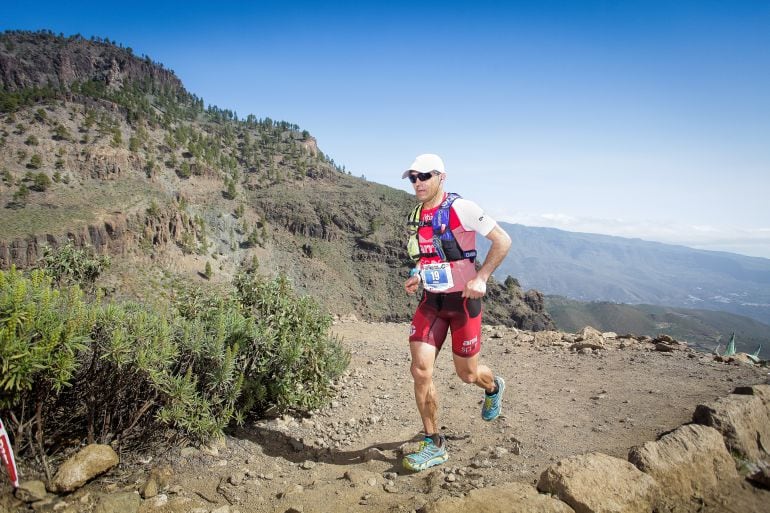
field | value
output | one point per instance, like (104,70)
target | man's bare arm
(501,243)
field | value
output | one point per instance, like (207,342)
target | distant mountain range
(591,267)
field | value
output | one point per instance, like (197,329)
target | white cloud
(745,241)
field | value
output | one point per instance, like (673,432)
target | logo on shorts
(412,330)
(468,345)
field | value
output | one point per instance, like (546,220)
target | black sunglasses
(424,177)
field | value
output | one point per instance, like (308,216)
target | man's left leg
(470,371)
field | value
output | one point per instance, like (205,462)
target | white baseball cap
(425,163)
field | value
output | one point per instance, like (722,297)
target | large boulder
(689,463)
(743,420)
(597,483)
(508,498)
(88,463)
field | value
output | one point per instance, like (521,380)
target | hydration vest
(447,248)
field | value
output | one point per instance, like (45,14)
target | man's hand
(475,288)
(411,284)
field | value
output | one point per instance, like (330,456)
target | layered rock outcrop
(117,234)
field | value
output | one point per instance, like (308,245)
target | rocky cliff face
(40,59)
(117,235)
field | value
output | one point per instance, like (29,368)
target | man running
(443,244)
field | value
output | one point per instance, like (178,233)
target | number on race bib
(437,277)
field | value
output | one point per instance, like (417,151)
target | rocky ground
(560,401)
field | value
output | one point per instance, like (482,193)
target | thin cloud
(746,241)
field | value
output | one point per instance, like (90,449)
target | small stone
(451,478)
(30,491)
(124,502)
(374,453)
(160,501)
(236,478)
(46,504)
(499,452)
(390,488)
(480,463)
(292,490)
(189,452)
(308,464)
(150,488)
(390,476)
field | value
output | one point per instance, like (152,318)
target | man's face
(426,189)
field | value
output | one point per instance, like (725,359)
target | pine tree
(207,272)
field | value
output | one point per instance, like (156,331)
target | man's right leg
(423,357)
(432,449)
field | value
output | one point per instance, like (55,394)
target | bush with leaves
(42,332)
(132,373)
(70,265)
(291,363)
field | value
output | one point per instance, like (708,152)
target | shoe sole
(436,460)
(500,409)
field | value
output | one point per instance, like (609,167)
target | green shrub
(40,182)
(68,265)
(117,138)
(42,333)
(291,364)
(21,195)
(74,369)
(61,133)
(207,271)
(35,161)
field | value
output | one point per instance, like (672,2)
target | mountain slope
(592,267)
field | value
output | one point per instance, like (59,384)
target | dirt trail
(347,456)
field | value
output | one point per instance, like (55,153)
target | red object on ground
(6,453)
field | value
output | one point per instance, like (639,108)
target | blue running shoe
(491,408)
(428,455)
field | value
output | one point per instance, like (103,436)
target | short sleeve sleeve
(472,217)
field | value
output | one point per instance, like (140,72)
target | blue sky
(643,119)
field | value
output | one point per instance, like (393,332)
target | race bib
(437,277)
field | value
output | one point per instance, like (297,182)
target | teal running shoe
(428,455)
(492,403)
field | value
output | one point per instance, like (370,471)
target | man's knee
(421,372)
(467,375)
